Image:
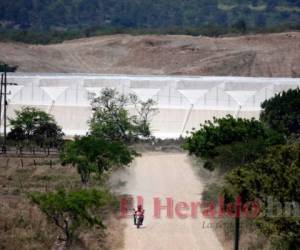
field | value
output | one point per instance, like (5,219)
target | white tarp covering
(12,91)
(240,96)
(144,93)
(54,92)
(193,95)
(183,102)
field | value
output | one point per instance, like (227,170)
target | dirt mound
(269,55)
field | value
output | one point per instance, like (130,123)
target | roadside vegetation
(32,127)
(74,207)
(257,161)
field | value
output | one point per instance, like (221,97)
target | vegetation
(112,121)
(282,112)
(32,126)
(259,160)
(258,164)
(275,175)
(9,68)
(25,226)
(57,20)
(95,155)
(112,129)
(71,210)
(228,141)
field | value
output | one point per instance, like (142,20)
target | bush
(9,68)
(112,121)
(71,210)
(282,112)
(91,154)
(34,126)
(228,141)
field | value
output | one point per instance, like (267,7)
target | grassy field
(23,226)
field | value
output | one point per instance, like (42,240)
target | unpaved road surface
(269,55)
(164,175)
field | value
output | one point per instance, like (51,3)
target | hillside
(58,14)
(252,55)
(51,21)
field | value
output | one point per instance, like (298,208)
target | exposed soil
(269,55)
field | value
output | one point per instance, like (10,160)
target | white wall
(183,102)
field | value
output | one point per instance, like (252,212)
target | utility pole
(1,87)
(237,233)
(237,224)
(4,92)
(5,107)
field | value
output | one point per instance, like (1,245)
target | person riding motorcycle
(139,213)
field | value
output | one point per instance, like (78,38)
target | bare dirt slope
(253,55)
(164,175)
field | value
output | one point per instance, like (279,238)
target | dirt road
(162,175)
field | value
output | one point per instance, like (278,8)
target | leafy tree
(112,121)
(32,125)
(254,2)
(9,68)
(258,164)
(275,175)
(240,25)
(112,128)
(92,154)
(271,4)
(71,210)
(228,141)
(46,21)
(260,20)
(237,153)
(282,112)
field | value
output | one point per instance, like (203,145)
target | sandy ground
(269,55)
(164,175)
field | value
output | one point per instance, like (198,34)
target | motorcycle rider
(139,212)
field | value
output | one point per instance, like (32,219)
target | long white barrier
(183,102)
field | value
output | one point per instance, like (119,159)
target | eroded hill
(266,55)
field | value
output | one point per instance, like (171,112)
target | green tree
(227,142)
(52,21)
(113,121)
(32,125)
(282,112)
(90,154)
(9,68)
(112,128)
(240,26)
(275,175)
(71,210)
(260,20)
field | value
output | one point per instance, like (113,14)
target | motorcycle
(138,219)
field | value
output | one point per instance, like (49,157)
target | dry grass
(23,226)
